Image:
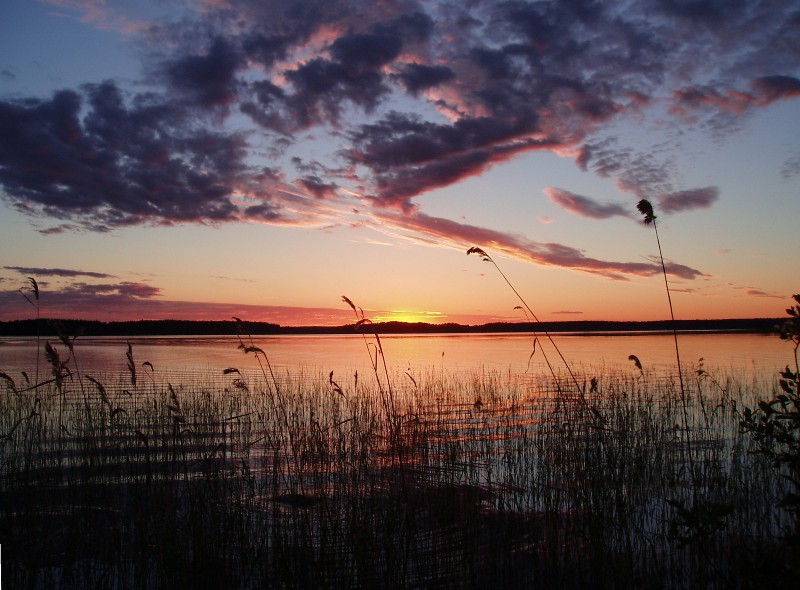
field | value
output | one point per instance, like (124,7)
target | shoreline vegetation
(258,479)
(88,328)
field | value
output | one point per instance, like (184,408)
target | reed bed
(252,479)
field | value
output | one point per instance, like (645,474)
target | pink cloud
(545,253)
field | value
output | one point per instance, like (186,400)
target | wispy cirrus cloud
(57,272)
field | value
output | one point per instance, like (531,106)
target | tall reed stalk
(594,415)
(646,209)
(387,393)
(277,400)
(35,303)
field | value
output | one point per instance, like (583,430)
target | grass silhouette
(254,477)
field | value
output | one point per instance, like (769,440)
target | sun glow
(409,316)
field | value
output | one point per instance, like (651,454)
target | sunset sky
(261,158)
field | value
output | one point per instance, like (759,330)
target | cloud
(461,235)
(585,206)
(763,91)
(208,78)
(57,272)
(408,97)
(416,78)
(317,187)
(791,167)
(82,303)
(83,300)
(760,293)
(700,198)
(642,175)
(117,164)
(772,88)
(410,156)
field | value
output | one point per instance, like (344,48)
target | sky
(262,158)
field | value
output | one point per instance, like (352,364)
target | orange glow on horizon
(411,317)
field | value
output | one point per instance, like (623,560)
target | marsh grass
(250,478)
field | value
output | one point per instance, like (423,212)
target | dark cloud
(266,50)
(413,28)
(361,52)
(262,212)
(585,206)
(352,73)
(409,156)
(772,88)
(98,161)
(642,174)
(708,12)
(208,78)
(317,187)
(57,272)
(82,300)
(765,90)
(700,198)
(320,90)
(122,290)
(413,96)
(122,303)
(419,77)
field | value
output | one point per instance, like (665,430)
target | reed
(249,477)
(593,414)
(187,483)
(649,217)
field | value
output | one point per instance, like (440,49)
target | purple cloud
(116,164)
(700,198)
(585,206)
(413,96)
(208,78)
(85,300)
(57,272)
(417,78)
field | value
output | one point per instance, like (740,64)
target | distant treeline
(49,328)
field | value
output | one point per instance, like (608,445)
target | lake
(484,480)
(451,353)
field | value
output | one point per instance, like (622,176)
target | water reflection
(453,353)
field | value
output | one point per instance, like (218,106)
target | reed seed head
(646,209)
(480,252)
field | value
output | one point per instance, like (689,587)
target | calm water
(454,353)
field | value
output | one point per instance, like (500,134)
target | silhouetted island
(50,327)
